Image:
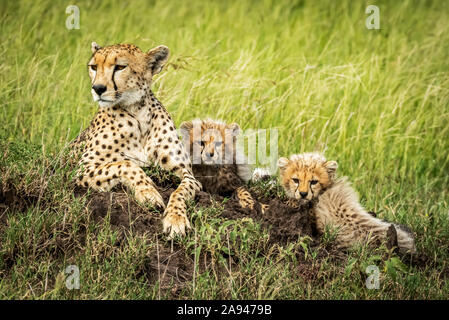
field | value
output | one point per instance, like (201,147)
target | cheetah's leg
(106,176)
(166,149)
(175,220)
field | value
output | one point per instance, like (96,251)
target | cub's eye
(119,67)
(93,67)
(202,144)
(217,144)
(295,180)
(312,182)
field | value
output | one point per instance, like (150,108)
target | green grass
(376,100)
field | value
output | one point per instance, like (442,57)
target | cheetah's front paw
(175,223)
(151,195)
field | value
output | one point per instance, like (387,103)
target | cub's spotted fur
(217,162)
(132,129)
(310,177)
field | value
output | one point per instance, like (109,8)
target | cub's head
(210,141)
(122,73)
(304,176)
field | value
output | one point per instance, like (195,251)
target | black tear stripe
(113,75)
(113,81)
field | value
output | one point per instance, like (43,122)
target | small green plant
(329,235)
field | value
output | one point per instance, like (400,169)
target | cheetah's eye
(119,67)
(219,143)
(93,67)
(202,144)
(312,182)
(296,180)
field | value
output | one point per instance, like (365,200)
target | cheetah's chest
(119,136)
(136,135)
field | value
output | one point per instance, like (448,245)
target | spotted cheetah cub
(217,163)
(310,177)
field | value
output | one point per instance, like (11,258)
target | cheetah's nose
(303,194)
(99,88)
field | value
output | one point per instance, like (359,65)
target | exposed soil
(123,211)
(285,223)
(170,264)
(12,199)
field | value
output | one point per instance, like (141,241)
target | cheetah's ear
(331,167)
(157,57)
(283,163)
(235,128)
(94,47)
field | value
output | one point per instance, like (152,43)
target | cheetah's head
(121,74)
(305,176)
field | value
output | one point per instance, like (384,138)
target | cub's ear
(94,47)
(186,125)
(157,57)
(283,163)
(235,128)
(185,129)
(331,167)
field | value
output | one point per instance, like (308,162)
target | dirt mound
(285,223)
(169,264)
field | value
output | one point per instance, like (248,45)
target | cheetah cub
(309,177)
(217,163)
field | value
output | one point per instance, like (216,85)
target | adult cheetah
(132,129)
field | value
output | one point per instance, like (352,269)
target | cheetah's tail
(406,240)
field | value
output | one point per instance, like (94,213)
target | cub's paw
(247,203)
(175,222)
(293,203)
(245,198)
(149,194)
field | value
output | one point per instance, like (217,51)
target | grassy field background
(376,100)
